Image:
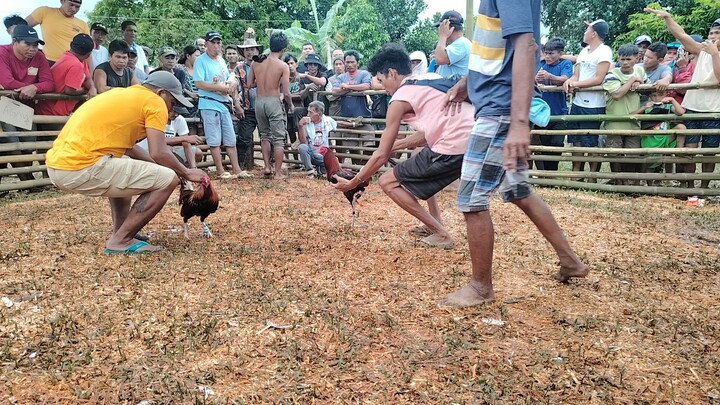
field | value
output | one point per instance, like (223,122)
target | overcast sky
(25,7)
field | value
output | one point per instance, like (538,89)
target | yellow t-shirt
(107,124)
(57,30)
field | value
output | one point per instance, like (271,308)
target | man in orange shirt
(87,157)
(59,26)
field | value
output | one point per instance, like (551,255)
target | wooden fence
(32,153)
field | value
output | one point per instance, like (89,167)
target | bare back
(269,77)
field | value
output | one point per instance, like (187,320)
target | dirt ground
(354,311)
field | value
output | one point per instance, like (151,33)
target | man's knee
(388,181)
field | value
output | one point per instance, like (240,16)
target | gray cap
(167,81)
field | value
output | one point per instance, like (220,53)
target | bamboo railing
(30,152)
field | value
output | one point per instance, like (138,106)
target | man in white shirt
(314,133)
(591,67)
(177,136)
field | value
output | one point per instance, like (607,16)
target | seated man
(26,71)
(87,157)
(115,72)
(438,164)
(314,132)
(71,76)
(177,136)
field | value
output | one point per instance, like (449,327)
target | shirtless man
(268,75)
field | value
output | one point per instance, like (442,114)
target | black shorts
(426,173)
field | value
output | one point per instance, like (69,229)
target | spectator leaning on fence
(452,52)
(354,80)
(620,84)
(707,71)
(115,72)
(71,76)
(554,71)
(168,62)
(642,42)
(100,54)
(59,26)
(11,21)
(659,74)
(26,71)
(591,67)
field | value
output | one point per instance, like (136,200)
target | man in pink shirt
(443,140)
(26,71)
(71,76)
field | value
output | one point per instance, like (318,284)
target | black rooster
(332,165)
(198,203)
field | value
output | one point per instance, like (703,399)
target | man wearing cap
(100,54)
(129,34)
(218,98)
(707,71)
(311,81)
(139,74)
(59,26)
(452,52)
(115,72)
(248,95)
(642,42)
(86,158)
(593,64)
(168,62)
(26,71)
(71,76)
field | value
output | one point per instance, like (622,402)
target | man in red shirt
(71,76)
(26,71)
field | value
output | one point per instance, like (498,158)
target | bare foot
(438,241)
(472,294)
(565,273)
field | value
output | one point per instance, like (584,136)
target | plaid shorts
(482,170)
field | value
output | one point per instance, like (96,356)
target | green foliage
(696,21)
(397,16)
(564,18)
(324,39)
(359,29)
(422,37)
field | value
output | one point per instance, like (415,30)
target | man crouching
(88,156)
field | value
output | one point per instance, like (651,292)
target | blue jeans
(310,157)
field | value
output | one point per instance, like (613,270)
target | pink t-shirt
(445,135)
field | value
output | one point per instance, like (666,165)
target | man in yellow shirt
(59,27)
(87,156)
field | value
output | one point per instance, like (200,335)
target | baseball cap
(601,27)
(212,35)
(98,27)
(181,110)
(312,59)
(696,38)
(455,18)
(673,45)
(167,81)
(22,32)
(715,23)
(167,51)
(642,38)
(82,44)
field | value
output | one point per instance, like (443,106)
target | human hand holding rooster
(194,175)
(344,184)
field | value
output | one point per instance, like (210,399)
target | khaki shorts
(114,178)
(271,120)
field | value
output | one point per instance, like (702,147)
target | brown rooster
(332,165)
(198,203)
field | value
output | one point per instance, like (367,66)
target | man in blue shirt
(554,71)
(218,95)
(354,80)
(452,51)
(500,86)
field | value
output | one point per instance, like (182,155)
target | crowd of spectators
(222,80)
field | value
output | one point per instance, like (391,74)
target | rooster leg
(353,203)
(206,231)
(185,227)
